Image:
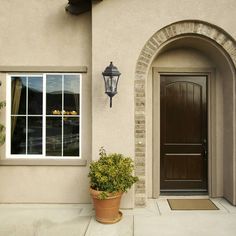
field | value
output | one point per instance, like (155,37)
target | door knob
(204,145)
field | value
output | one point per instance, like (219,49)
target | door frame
(211,114)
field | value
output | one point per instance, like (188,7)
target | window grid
(44,116)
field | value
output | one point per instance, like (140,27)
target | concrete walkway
(78,219)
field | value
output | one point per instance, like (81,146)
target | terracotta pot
(107,210)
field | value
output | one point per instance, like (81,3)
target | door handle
(204,147)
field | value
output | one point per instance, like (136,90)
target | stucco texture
(41,33)
(120,29)
(38,34)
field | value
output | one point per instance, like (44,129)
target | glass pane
(18,135)
(35,95)
(53,136)
(71,136)
(71,94)
(35,135)
(18,95)
(54,94)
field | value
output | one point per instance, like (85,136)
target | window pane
(18,95)
(53,136)
(71,94)
(18,135)
(71,136)
(35,95)
(61,92)
(35,135)
(54,94)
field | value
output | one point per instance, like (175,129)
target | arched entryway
(216,45)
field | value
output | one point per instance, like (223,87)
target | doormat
(192,204)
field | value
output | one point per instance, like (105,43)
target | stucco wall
(120,30)
(41,33)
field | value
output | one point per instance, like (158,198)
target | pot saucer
(120,214)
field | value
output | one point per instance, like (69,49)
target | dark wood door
(183,133)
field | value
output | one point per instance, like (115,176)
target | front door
(183,133)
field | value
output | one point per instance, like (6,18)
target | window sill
(42,162)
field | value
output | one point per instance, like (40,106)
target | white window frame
(44,115)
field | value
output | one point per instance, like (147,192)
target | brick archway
(147,55)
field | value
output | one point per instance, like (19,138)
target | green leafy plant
(2,127)
(111,173)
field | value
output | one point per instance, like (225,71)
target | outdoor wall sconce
(111,77)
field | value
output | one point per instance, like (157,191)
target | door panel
(183,133)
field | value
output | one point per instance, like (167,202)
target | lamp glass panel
(114,83)
(111,83)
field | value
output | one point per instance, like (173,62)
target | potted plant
(110,177)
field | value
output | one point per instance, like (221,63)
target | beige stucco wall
(120,30)
(41,33)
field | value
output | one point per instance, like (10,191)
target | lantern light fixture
(111,77)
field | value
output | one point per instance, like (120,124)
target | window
(43,116)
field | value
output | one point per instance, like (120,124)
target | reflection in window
(71,94)
(63,101)
(35,135)
(18,140)
(71,136)
(54,94)
(45,106)
(18,95)
(54,136)
(35,95)
(18,106)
